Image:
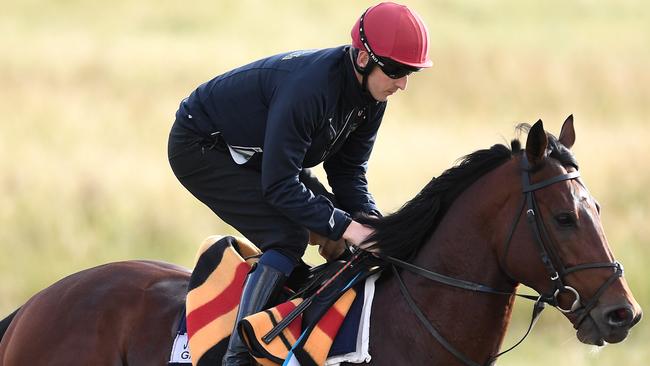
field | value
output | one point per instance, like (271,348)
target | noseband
(549,257)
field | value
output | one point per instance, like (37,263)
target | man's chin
(383,97)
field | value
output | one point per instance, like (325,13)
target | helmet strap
(364,78)
(364,71)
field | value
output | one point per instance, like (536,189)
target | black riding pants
(234,192)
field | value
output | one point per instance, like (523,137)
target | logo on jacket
(297,54)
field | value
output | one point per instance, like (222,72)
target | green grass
(89,89)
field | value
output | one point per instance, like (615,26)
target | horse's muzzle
(609,324)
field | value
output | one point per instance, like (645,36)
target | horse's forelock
(556,149)
(560,152)
(515,146)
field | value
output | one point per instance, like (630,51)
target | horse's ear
(568,133)
(536,143)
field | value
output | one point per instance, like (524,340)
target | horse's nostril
(620,317)
(637,318)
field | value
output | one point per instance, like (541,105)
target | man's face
(381,86)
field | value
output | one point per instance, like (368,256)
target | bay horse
(501,217)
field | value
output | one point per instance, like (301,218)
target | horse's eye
(566,220)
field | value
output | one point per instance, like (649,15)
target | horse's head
(558,246)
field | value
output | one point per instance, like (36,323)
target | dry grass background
(88,90)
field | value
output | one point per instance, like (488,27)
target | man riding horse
(243,143)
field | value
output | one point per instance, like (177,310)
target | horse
(501,217)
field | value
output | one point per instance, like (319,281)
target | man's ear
(363,58)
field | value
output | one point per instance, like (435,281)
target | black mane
(401,234)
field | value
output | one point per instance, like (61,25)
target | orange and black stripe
(255,326)
(317,339)
(314,348)
(213,297)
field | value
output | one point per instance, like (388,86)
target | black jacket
(293,111)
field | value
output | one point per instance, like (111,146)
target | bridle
(549,257)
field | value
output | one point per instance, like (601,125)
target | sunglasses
(392,69)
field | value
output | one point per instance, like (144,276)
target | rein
(556,275)
(462,284)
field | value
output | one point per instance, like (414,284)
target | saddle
(302,324)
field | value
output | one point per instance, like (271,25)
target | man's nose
(401,82)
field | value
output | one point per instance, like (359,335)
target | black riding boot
(262,285)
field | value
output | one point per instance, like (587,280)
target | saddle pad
(341,335)
(212,303)
(352,343)
(311,345)
(213,297)
(180,354)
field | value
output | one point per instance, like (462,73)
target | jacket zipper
(347,120)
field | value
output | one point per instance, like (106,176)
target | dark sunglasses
(395,70)
(392,69)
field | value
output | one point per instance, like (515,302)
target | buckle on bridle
(576,303)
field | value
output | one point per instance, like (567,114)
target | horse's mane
(401,233)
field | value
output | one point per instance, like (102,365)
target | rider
(242,144)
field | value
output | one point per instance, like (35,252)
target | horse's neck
(463,247)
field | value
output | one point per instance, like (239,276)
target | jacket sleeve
(293,117)
(346,170)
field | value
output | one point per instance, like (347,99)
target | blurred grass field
(88,91)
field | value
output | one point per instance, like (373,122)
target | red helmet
(395,32)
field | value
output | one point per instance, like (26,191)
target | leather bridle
(555,268)
(549,257)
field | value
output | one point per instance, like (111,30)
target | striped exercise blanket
(309,344)
(212,303)
(213,296)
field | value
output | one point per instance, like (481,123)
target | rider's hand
(328,249)
(357,233)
